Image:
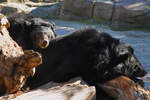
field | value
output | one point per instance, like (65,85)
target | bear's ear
(52,25)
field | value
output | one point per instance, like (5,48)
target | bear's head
(129,65)
(116,58)
(41,32)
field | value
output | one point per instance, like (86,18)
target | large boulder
(77,9)
(85,9)
(103,10)
(13,8)
(131,14)
(51,10)
(44,10)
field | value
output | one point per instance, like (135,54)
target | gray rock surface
(43,10)
(121,13)
(47,11)
(44,0)
(131,14)
(13,8)
(14,1)
(103,10)
(77,9)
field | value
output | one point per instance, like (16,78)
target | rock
(103,10)
(122,14)
(22,1)
(73,90)
(85,9)
(47,11)
(35,4)
(44,10)
(131,14)
(15,65)
(8,10)
(45,0)
(13,8)
(123,88)
(76,9)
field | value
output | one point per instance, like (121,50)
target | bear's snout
(140,72)
(45,43)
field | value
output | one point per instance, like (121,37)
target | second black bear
(93,55)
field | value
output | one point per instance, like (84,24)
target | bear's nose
(45,43)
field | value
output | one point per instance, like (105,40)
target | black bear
(31,32)
(93,55)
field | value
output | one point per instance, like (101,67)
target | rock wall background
(120,14)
